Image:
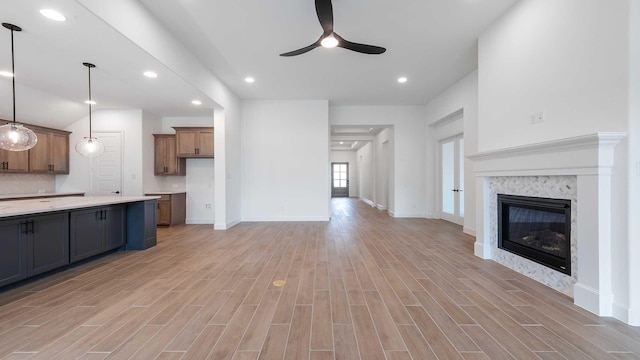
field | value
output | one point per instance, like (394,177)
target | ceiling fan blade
(324,10)
(361,48)
(302,51)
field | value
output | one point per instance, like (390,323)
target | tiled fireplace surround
(578,169)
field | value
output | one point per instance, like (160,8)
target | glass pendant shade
(90,147)
(15,137)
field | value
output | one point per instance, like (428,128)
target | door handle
(116,192)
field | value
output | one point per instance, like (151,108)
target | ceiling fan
(329,38)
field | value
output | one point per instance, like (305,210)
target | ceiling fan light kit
(330,39)
(13,136)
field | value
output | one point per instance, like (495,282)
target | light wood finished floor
(364,286)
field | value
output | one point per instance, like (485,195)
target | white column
(482,246)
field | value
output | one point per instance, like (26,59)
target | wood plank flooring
(363,286)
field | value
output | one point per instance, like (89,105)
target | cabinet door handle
(98,214)
(105,215)
(5,165)
(29,227)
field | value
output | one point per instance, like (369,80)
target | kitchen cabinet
(166,160)
(96,230)
(51,153)
(171,208)
(141,225)
(47,242)
(14,161)
(194,142)
(33,245)
(13,257)
(55,235)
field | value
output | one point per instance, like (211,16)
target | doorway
(339,179)
(452,179)
(106,169)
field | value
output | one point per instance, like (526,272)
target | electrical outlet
(537,117)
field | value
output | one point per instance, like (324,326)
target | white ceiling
(432,42)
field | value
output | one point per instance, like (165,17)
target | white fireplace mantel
(590,158)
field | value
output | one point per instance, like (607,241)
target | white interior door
(452,179)
(106,169)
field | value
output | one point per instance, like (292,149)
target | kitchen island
(40,235)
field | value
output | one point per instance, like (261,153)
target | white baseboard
(408,215)
(431,216)
(628,316)
(469,231)
(380,207)
(589,299)
(286,218)
(368,202)
(199,222)
(479,251)
(226,226)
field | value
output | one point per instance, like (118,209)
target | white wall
(633,193)
(200,185)
(351,158)
(129,122)
(228,166)
(567,58)
(285,160)
(460,100)
(406,157)
(365,173)
(151,124)
(383,144)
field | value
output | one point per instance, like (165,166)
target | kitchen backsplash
(11,184)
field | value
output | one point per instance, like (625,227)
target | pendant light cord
(13,79)
(89,68)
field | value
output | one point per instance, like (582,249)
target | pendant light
(15,137)
(89,146)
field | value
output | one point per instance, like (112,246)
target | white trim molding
(590,158)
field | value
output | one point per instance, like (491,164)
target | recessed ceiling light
(249,80)
(341,142)
(52,14)
(402,80)
(196,102)
(150,74)
(90,102)
(6,73)
(370,129)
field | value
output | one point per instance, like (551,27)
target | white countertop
(37,206)
(164,192)
(40,195)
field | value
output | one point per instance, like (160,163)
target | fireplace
(536,228)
